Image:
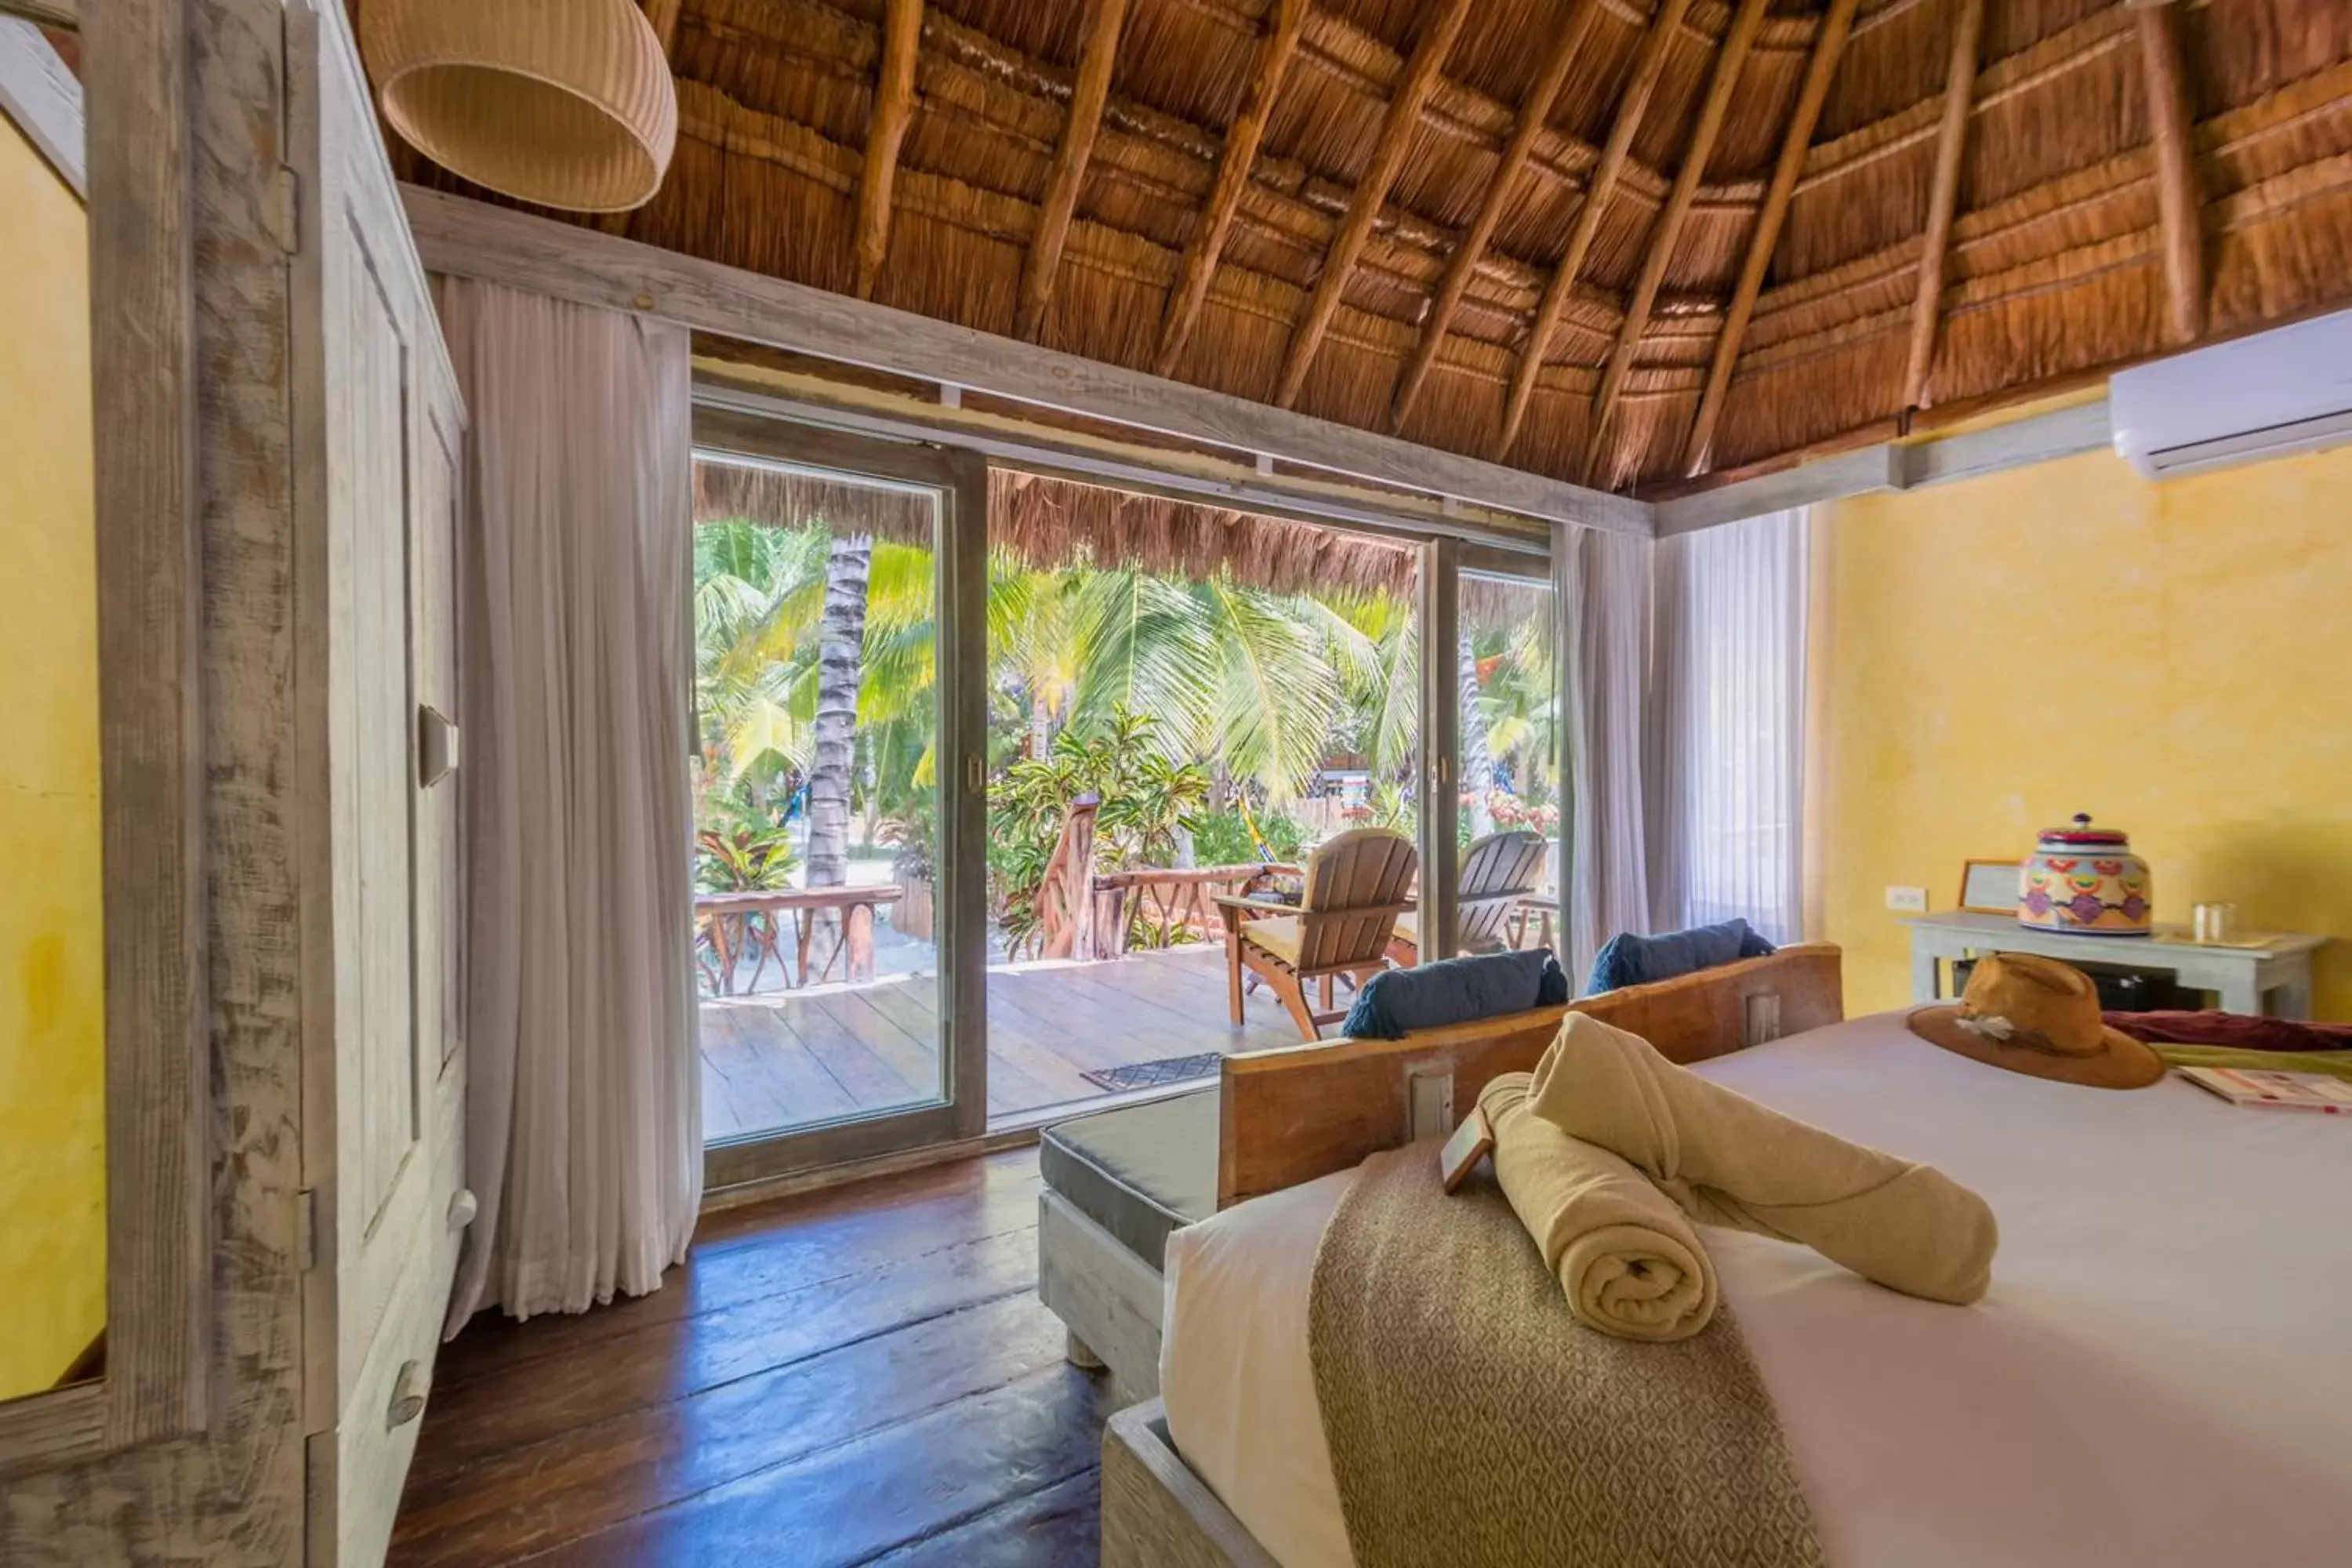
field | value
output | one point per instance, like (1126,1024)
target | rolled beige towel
(1627,1258)
(1728,1161)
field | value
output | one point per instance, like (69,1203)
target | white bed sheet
(2160,1372)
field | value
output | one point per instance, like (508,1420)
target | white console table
(2245,978)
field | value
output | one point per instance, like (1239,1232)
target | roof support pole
(1951,144)
(1403,116)
(1087,96)
(1746,23)
(894,109)
(1287,21)
(1828,45)
(2180,206)
(1630,109)
(1534,115)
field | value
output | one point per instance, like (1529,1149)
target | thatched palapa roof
(1619,240)
(1050,523)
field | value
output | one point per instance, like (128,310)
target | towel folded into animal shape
(1728,1161)
(1628,1260)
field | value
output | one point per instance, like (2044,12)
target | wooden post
(1091,90)
(1630,109)
(2180,206)
(1441,744)
(1420,74)
(1534,114)
(1951,142)
(1745,25)
(1829,44)
(894,109)
(1241,139)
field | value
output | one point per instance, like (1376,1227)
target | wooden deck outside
(784,1059)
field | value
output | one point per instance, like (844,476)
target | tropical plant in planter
(738,852)
(1146,798)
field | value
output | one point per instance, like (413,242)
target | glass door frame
(960,479)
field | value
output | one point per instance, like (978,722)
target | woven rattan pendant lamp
(568,103)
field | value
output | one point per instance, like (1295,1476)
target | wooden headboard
(1289,1116)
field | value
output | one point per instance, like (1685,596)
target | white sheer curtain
(584,1124)
(1603,603)
(1728,724)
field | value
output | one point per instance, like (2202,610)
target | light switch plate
(1429,1100)
(1910,900)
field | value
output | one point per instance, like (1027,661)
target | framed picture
(1990,887)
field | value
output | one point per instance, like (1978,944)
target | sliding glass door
(829,818)
(989,777)
(1184,707)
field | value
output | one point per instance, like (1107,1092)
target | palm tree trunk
(1040,724)
(841,650)
(1477,762)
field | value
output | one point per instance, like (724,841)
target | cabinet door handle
(408,1391)
(463,1206)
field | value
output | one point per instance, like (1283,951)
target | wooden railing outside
(1153,905)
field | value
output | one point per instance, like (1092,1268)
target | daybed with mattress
(1119,1183)
(2156,1375)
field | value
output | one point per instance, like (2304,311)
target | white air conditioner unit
(2288,390)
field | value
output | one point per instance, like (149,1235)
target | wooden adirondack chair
(1355,889)
(1497,872)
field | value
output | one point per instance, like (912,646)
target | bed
(1119,1183)
(2157,1376)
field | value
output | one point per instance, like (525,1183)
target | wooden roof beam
(1934,246)
(1199,265)
(1647,66)
(894,111)
(2179,203)
(1666,231)
(1829,44)
(1534,115)
(1103,19)
(1397,128)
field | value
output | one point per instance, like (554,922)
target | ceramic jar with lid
(2084,881)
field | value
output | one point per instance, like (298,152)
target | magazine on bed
(2275,1090)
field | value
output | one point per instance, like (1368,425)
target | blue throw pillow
(1455,991)
(1630,960)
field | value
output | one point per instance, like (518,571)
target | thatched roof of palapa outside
(1049,523)
(1497,228)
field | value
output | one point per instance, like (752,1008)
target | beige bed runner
(1472,1420)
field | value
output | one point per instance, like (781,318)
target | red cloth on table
(2239,1030)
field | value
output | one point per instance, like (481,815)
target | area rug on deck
(1155,1075)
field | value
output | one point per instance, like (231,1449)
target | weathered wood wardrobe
(280,480)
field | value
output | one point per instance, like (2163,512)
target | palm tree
(813,651)
(841,651)
(1477,761)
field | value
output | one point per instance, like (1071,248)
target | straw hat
(2038,1016)
(568,103)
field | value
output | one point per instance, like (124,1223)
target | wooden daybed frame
(1290,1115)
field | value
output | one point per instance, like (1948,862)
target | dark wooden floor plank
(1060,1526)
(597,1476)
(657,1365)
(883,1490)
(744,1256)
(857,1375)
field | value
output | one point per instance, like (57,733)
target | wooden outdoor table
(1540,907)
(854,947)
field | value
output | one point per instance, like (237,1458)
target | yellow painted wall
(1993,656)
(52,1027)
